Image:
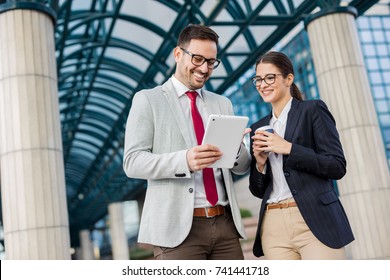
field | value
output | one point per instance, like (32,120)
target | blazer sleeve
(324,157)
(243,160)
(258,182)
(139,161)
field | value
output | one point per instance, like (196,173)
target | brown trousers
(209,239)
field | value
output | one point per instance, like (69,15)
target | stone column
(120,248)
(32,172)
(78,253)
(344,86)
(86,245)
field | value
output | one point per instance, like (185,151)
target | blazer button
(286,173)
(294,191)
(191,190)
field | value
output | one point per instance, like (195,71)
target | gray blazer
(156,142)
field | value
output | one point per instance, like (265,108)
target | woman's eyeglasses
(269,79)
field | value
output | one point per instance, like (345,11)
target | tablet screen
(226,132)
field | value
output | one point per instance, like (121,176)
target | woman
(293,170)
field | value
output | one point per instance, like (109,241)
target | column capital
(329,11)
(48,7)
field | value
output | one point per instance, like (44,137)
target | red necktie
(208,173)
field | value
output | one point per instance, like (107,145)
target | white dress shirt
(280,191)
(200,196)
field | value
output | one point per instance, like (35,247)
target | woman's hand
(260,148)
(265,142)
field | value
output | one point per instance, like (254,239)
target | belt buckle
(206,210)
(283,205)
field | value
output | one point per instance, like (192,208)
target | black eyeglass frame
(257,79)
(215,62)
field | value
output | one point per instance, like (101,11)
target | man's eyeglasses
(269,79)
(198,60)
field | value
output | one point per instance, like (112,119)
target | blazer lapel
(170,94)
(266,120)
(292,120)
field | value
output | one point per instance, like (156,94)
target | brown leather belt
(281,205)
(209,212)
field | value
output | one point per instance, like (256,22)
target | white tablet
(225,132)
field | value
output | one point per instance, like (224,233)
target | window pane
(376,22)
(369,50)
(375,77)
(379,36)
(378,92)
(366,36)
(385,63)
(372,64)
(382,49)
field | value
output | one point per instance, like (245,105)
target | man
(190,211)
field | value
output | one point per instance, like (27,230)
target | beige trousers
(286,236)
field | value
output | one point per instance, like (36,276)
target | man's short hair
(196,31)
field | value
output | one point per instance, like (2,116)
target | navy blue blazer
(316,159)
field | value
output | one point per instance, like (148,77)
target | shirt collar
(181,89)
(283,115)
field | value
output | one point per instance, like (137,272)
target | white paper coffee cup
(267,128)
